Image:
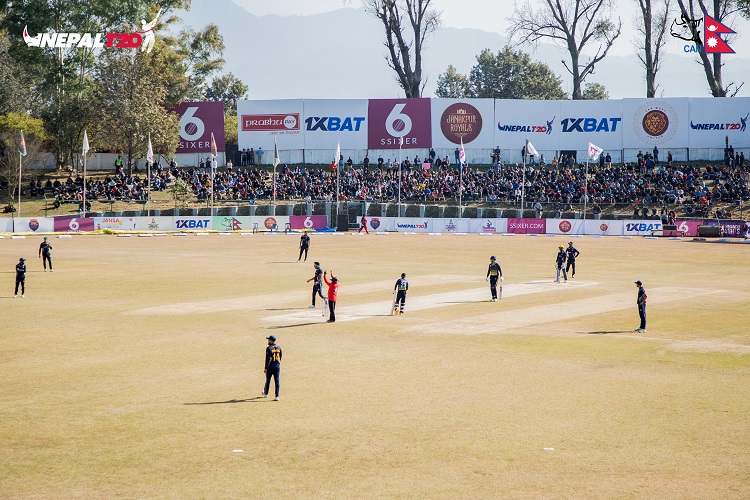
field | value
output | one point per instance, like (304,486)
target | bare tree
(651,25)
(720,10)
(407,24)
(572,25)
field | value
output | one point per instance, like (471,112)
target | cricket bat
(393,305)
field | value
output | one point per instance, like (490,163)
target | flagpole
(400,143)
(586,187)
(20,160)
(338,181)
(148,194)
(84,185)
(523,182)
(460,183)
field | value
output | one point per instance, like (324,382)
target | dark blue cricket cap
(638,282)
(271,338)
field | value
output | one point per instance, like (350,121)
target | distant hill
(340,54)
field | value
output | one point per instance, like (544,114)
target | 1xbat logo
(334,123)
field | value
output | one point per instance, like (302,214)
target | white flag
(85,143)
(594,151)
(150,153)
(276,159)
(462,153)
(338,154)
(530,149)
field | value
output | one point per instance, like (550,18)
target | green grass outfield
(135,370)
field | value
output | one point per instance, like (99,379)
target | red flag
(713,43)
(214,151)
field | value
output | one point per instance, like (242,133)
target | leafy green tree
(453,84)
(11,125)
(230,128)
(595,92)
(228,89)
(512,74)
(195,56)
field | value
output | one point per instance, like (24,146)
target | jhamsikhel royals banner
(198,120)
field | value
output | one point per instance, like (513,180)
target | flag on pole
(214,150)
(150,153)
(86,148)
(22,145)
(462,153)
(530,149)
(338,154)
(594,151)
(276,159)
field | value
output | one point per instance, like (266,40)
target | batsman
(494,272)
(400,289)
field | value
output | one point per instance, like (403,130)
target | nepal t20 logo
(541,129)
(143,39)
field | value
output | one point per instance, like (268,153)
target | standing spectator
(669,158)
(493,274)
(400,289)
(641,301)
(560,264)
(333,292)
(272,367)
(457,154)
(259,154)
(45,251)
(317,284)
(538,210)
(118,164)
(572,255)
(366,163)
(304,245)
(21,277)
(363,224)
(251,157)
(656,154)
(608,161)
(229,166)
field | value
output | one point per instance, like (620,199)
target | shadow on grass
(292,326)
(231,401)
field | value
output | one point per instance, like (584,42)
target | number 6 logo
(308,223)
(73,225)
(191,127)
(397,123)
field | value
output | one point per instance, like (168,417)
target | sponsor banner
(565,226)
(392,120)
(32,225)
(192,223)
(259,121)
(690,228)
(154,223)
(655,122)
(449,225)
(470,120)
(379,224)
(713,120)
(313,222)
(582,122)
(538,121)
(603,227)
(411,224)
(491,226)
(328,121)
(6,225)
(230,223)
(197,121)
(527,226)
(733,228)
(641,227)
(116,223)
(73,224)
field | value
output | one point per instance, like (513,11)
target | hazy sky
(488,15)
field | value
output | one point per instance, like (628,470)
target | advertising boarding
(598,122)
(488,226)
(328,121)
(527,226)
(655,122)
(449,225)
(260,121)
(73,224)
(32,225)
(713,120)
(394,122)
(517,120)
(198,120)
(467,120)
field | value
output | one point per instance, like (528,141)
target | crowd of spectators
(561,183)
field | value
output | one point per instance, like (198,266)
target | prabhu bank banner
(260,121)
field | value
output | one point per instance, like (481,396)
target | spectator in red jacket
(333,292)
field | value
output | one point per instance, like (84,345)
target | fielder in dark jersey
(272,366)
(400,290)
(45,252)
(304,245)
(562,256)
(21,277)
(572,254)
(317,280)
(493,274)
(641,301)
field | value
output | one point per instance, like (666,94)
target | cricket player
(562,256)
(493,274)
(304,245)
(317,284)
(272,367)
(572,255)
(21,277)
(400,290)
(333,293)
(641,301)
(363,224)
(45,251)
